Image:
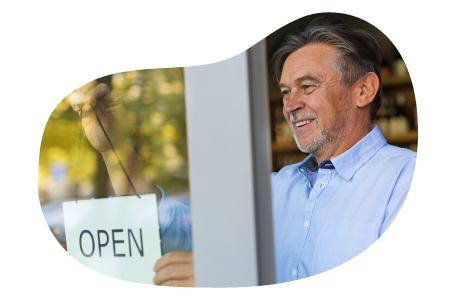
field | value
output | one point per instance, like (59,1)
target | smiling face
(316,108)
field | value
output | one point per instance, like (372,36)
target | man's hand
(175,268)
(92,100)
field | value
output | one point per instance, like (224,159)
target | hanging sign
(118,237)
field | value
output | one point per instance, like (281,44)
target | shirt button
(306,224)
(293,273)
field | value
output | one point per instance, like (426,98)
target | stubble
(324,141)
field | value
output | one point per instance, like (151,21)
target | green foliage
(156,114)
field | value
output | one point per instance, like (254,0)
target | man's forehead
(309,61)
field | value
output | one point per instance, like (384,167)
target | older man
(341,198)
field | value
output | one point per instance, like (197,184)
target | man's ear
(369,86)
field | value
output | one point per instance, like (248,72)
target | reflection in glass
(155,113)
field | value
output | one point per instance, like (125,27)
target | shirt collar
(351,160)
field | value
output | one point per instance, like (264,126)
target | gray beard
(326,141)
(322,139)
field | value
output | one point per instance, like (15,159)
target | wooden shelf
(422,136)
(284,148)
(427,79)
(404,138)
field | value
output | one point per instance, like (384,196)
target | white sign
(117,236)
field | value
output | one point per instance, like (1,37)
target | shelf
(419,79)
(422,136)
(405,138)
(284,148)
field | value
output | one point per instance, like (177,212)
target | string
(79,152)
(115,153)
(113,150)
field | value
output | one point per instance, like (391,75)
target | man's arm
(95,104)
(387,251)
(133,167)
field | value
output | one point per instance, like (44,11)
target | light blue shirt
(329,220)
(354,199)
(174,219)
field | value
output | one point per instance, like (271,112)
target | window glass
(151,147)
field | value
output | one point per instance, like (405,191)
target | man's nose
(295,102)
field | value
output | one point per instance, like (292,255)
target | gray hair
(357,52)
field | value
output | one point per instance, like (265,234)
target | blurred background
(156,114)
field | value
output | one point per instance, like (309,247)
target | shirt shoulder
(394,157)
(402,161)
(394,151)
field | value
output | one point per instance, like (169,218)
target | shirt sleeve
(387,266)
(175,224)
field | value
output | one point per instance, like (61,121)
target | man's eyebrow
(300,79)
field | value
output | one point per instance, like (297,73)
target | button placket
(308,209)
(325,179)
(322,181)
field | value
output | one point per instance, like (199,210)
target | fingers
(77,95)
(87,96)
(173,257)
(175,269)
(180,282)
(89,112)
(174,272)
(90,100)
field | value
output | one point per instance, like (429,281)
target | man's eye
(284,93)
(306,86)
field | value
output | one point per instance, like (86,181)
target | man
(341,198)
